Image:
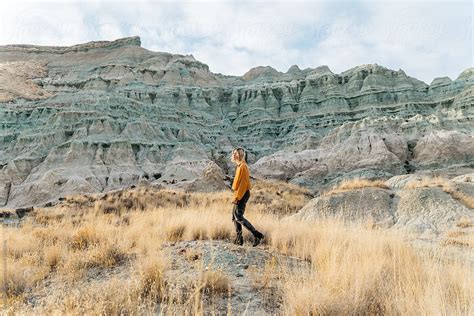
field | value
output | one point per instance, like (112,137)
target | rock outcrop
(102,115)
(371,204)
(419,205)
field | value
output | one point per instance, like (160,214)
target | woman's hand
(235,202)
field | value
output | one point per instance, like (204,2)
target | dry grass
(355,273)
(151,277)
(53,256)
(22,274)
(459,238)
(354,270)
(192,255)
(175,232)
(353,184)
(276,197)
(446,185)
(465,223)
(222,233)
(214,283)
(462,197)
(84,237)
(425,182)
(454,234)
(455,242)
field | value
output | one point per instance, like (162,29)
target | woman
(241,187)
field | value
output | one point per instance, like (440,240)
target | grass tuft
(354,184)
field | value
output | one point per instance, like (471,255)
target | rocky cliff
(103,115)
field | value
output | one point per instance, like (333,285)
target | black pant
(238,217)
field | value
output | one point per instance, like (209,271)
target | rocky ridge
(103,115)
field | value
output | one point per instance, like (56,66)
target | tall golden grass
(99,262)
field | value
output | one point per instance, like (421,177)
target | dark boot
(239,241)
(257,239)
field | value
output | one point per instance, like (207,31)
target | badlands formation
(106,115)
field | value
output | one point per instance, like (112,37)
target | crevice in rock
(393,207)
(152,96)
(21,212)
(302,85)
(264,98)
(408,165)
(447,103)
(189,96)
(136,149)
(8,187)
(278,93)
(175,98)
(60,182)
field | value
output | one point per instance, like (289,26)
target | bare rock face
(261,74)
(362,205)
(212,180)
(444,147)
(432,209)
(17,80)
(421,211)
(103,115)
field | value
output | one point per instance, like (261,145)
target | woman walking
(241,187)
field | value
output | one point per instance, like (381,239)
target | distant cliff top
(121,42)
(97,57)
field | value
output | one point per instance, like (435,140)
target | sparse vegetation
(459,238)
(214,283)
(353,184)
(95,262)
(465,223)
(457,194)
(425,182)
(446,185)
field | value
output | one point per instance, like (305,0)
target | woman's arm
(237,179)
(241,182)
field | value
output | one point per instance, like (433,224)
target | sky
(427,39)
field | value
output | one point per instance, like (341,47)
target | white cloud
(429,39)
(425,38)
(26,23)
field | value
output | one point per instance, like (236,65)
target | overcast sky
(426,39)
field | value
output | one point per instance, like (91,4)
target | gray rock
(431,209)
(355,206)
(103,115)
(426,211)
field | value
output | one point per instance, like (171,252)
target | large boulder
(363,205)
(212,179)
(429,209)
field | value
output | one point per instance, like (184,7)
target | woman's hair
(240,153)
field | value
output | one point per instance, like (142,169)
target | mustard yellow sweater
(241,181)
